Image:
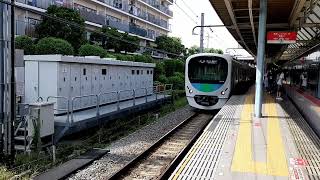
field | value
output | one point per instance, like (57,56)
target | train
(210,79)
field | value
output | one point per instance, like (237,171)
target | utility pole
(7,86)
(201,33)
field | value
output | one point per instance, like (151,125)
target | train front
(207,80)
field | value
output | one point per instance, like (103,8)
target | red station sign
(281,37)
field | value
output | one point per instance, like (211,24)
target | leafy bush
(159,70)
(91,50)
(178,82)
(179,66)
(52,45)
(26,43)
(163,79)
(109,56)
(179,74)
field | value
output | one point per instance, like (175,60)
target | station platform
(236,145)
(80,120)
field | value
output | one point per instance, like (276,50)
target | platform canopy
(301,16)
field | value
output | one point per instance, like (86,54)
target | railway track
(163,156)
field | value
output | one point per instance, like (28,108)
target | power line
(189,8)
(61,20)
(186,13)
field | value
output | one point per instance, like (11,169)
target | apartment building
(146,19)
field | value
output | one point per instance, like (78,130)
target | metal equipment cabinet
(62,78)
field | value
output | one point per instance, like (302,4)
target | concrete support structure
(260,58)
(202,33)
(2,45)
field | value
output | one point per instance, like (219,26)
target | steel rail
(171,166)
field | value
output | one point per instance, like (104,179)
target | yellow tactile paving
(190,154)
(276,164)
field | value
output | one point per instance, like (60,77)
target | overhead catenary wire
(189,8)
(186,13)
(61,20)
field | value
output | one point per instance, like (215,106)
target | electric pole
(201,33)
(7,86)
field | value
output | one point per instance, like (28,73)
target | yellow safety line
(190,155)
(276,164)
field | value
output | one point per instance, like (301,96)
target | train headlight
(190,91)
(222,92)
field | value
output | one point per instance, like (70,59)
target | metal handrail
(38,100)
(133,96)
(146,92)
(99,96)
(79,97)
(68,105)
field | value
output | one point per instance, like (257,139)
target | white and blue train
(210,79)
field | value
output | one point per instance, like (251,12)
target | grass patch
(5,174)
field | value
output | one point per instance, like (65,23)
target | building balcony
(93,17)
(118,25)
(158,6)
(44,4)
(137,30)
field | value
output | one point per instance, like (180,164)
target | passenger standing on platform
(270,81)
(304,81)
(266,81)
(279,83)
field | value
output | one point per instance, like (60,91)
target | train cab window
(208,70)
(104,71)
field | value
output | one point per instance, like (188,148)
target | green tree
(132,46)
(170,44)
(26,43)
(53,28)
(195,49)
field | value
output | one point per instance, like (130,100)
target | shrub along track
(162,157)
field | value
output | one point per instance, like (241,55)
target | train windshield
(208,69)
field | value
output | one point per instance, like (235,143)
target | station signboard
(281,37)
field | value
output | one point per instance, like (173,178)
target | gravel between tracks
(127,148)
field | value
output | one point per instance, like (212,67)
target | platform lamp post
(260,58)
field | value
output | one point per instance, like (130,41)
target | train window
(84,71)
(104,71)
(208,70)
(147,71)
(138,72)
(141,72)
(150,72)
(132,72)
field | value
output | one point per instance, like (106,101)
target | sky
(185,15)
